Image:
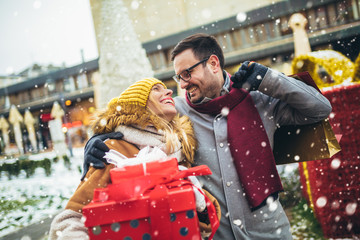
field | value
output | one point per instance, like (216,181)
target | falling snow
(241,17)
(321,202)
(225,111)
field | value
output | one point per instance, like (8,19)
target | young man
(234,121)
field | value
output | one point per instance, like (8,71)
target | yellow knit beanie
(137,94)
(128,109)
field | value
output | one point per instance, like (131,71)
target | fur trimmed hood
(124,114)
(135,115)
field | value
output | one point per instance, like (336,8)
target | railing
(266,25)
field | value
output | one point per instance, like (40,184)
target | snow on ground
(24,201)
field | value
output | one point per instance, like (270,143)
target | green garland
(29,166)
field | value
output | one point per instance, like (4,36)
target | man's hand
(95,150)
(249,76)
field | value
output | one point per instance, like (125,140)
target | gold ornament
(339,67)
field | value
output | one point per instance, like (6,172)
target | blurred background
(62,60)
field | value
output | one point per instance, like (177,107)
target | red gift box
(335,182)
(147,201)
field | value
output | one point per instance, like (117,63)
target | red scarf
(249,144)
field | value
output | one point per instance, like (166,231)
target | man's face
(204,81)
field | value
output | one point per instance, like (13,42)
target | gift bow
(145,155)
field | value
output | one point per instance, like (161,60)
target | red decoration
(334,183)
(45,117)
(147,201)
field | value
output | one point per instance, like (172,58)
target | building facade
(259,32)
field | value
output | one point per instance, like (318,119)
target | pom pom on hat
(137,94)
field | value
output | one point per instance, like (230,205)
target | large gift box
(147,201)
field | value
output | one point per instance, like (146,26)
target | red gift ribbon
(159,213)
(133,186)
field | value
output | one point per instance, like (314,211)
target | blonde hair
(176,131)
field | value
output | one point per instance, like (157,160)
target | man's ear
(214,63)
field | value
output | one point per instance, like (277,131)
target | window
(50,87)
(82,81)
(14,99)
(2,102)
(24,96)
(88,78)
(260,33)
(284,26)
(157,60)
(341,12)
(69,84)
(321,17)
(236,38)
(331,12)
(311,17)
(224,40)
(59,86)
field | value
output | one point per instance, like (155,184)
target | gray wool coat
(280,100)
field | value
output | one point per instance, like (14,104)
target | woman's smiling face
(161,102)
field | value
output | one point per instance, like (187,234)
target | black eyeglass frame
(178,77)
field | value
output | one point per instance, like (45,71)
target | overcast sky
(44,32)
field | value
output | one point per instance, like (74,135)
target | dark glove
(204,216)
(95,150)
(249,76)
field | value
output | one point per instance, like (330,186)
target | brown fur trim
(128,114)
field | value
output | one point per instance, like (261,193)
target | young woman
(146,116)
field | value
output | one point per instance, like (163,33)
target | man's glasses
(186,75)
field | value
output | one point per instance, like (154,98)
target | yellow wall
(153,19)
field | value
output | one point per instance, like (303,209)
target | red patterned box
(332,186)
(338,212)
(151,201)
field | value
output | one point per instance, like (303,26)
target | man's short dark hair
(202,45)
